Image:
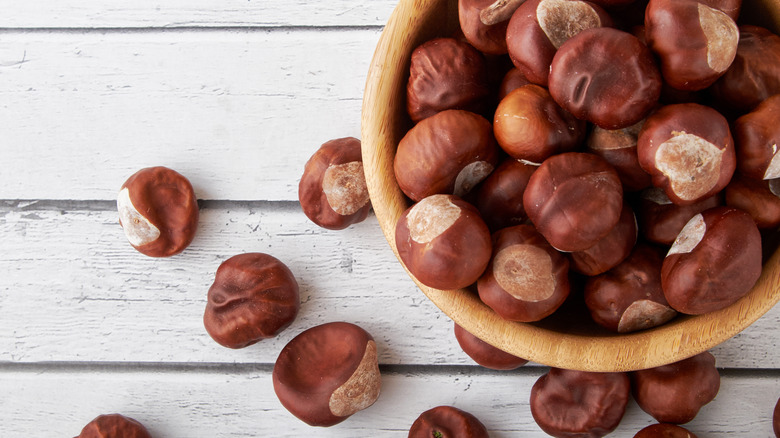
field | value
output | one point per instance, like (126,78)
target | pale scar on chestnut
(691,163)
(431,217)
(345,187)
(690,236)
(562,19)
(644,314)
(525,272)
(362,388)
(773,170)
(722,37)
(138,229)
(470,176)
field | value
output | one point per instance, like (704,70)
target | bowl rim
(683,337)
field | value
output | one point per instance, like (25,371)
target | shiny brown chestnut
(500,197)
(611,249)
(446,73)
(332,191)
(254,296)
(664,430)
(688,150)
(447,422)
(676,392)
(574,200)
(570,404)
(759,198)
(512,80)
(114,425)
(443,242)
(485,354)
(605,76)
(754,75)
(327,373)
(527,279)
(715,260)
(618,148)
(529,125)
(756,136)
(539,27)
(695,43)
(661,220)
(629,297)
(487,38)
(158,211)
(448,153)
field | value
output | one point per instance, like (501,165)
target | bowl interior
(568,339)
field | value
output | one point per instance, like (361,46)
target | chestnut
(487,38)
(158,211)
(443,242)
(327,373)
(569,403)
(500,197)
(539,27)
(446,73)
(485,354)
(695,43)
(776,419)
(529,125)
(675,393)
(611,249)
(618,148)
(688,150)
(759,198)
(512,80)
(756,136)
(629,297)
(660,220)
(254,296)
(447,422)
(605,76)
(754,75)
(574,199)
(332,190)
(114,425)
(715,260)
(449,152)
(527,279)
(664,430)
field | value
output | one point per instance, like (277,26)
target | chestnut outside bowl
(565,339)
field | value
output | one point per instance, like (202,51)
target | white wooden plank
(179,13)
(238,112)
(227,403)
(74,290)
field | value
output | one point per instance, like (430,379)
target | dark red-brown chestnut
(512,80)
(114,426)
(695,43)
(485,354)
(629,297)
(527,279)
(447,422)
(715,260)
(446,73)
(611,249)
(664,430)
(332,191)
(776,419)
(676,392)
(573,404)
(756,136)
(605,76)
(660,220)
(759,198)
(500,197)
(443,241)
(158,211)
(574,200)
(490,39)
(327,373)
(254,297)
(447,153)
(618,148)
(688,150)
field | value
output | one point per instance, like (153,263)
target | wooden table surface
(235,95)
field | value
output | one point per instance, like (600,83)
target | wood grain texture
(238,112)
(193,13)
(228,403)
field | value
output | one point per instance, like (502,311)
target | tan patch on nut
(657,196)
(773,170)
(774,187)
(691,163)
(643,314)
(362,389)
(470,176)
(722,37)
(689,236)
(562,19)
(431,217)
(138,229)
(525,272)
(345,187)
(607,139)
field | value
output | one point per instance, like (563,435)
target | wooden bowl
(562,340)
